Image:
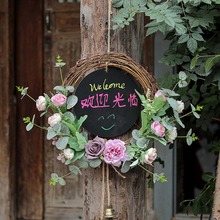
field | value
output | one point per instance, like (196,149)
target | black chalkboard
(109,100)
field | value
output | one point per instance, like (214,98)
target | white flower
(54,119)
(180,106)
(41,103)
(172,135)
(150,155)
(68,153)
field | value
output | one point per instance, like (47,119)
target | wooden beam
(7,114)
(29,73)
(128,196)
(216,204)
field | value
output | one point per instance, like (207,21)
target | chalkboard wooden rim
(119,60)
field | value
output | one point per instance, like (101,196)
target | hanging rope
(103,191)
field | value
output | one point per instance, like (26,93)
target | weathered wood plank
(128,196)
(7,115)
(29,72)
(216,205)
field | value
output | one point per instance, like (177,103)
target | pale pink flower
(114,152)
(59,99)
(158,129)
(150,155)
(172,135)
(180,106)
(61,158)
(159,93)
(54,119)
(41,103)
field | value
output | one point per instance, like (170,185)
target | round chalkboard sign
(110,101)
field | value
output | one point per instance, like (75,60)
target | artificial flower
(172,134)
(114,152)
(180,106)
(54,119)
(150,155)
(158,94)
(94,148)
(68,153)
(158,129)
(58,99)
(41,103)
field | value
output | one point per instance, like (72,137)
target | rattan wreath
(119,60)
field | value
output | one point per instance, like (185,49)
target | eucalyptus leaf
(134,163)
(70,88)
(142,142)
(62,142)
(71,101)
(95,163)
(125,166)
(61,181)
(59,88)
(75,170)
(54,176)
(83,163)
(51,134)
(29,126)
(136,134)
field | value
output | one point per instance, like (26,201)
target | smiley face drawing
(108,118)
(110,101)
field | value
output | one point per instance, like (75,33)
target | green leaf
(142,142)
(117,3)
(134,163)
(51,134)
(182,83)
(78,155)
(184,38)
(80,121)
(61,181)
(192,45)
(54,176)
(75,170)
(136,134)
(194,62)
(29,126)
(182,75)
(125,166)
(81,140)
(173,103)
(61,143)
(70,88)
(83,163)
(71,101)
(95,163)
(59,88)
(210,62)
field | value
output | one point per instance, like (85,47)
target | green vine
(192,29)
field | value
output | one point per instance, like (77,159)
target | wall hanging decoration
(112,102)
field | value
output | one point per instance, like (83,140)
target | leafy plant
(192,29)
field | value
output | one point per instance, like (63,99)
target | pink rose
(59,99)
(158,129)
(150,155)
(158,94)
(54,119)
(41,103)
(114,152)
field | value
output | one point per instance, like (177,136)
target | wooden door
(61,37)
